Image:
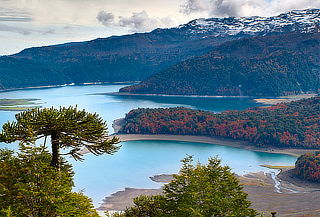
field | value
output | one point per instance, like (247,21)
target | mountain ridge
(125,58)
(307,20)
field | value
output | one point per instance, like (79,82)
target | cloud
(48,32)
(229,8)
(24,31)
(219,8)
(105,18)
(15,19)
(138,22)
(223,8)
(6,28)
(141,22)
(14,15)
(193,6)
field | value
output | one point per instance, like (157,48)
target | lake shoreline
(65,85)
(171,95)
(213,140)
(267,100)
(284,99)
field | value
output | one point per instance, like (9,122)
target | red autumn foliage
(294,124)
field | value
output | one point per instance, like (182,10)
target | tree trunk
(55,151)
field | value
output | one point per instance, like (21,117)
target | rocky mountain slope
(304,21)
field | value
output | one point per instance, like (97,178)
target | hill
(138,56)
(308,167)
(260,66)
(293,125)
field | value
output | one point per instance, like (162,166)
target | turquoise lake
(136,161)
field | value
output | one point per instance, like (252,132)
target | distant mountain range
(139,56)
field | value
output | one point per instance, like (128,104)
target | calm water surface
(138,160)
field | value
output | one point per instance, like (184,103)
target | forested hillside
(262,66)
(119,58)
(308,167)
(294,125)
(18,73)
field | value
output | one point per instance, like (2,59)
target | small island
(18,104)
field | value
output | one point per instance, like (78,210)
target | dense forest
(19,73)
(308,167)
(262,66)
(294,124)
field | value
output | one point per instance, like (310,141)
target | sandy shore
(163,178)
(213,140)
(295,200)
(123,199)
(284,99)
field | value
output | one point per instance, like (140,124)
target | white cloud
(137,22)
(225,8)
(105,18)
(23,30)
(20,30)
(141,22)
(193,6)
(14,15)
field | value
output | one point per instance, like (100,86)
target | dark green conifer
(69,128)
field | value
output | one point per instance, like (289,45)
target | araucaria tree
(69,128)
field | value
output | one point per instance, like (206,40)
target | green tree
(68,128)
(30,186)
(144,206)
(197,191)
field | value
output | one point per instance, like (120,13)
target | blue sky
(28,23)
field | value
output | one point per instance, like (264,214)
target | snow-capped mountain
(303,21)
